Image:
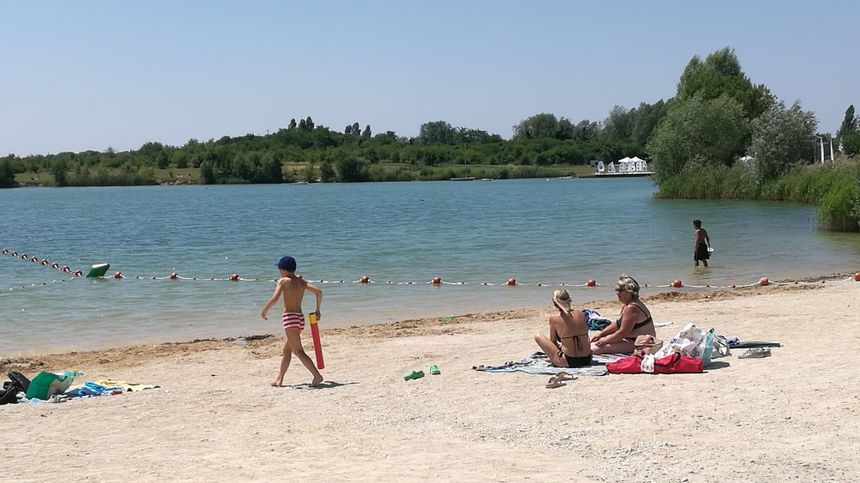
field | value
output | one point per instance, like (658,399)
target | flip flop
(563,376)
(413,375)
(755,353)
(434,370)
(552,384)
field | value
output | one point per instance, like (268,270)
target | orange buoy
(436,281)
(590,282)
(78,273)
(173,276)
(117,275)
(857,277)
(677,283)
(364,279)
(763,281)
(511,282)
(234,277)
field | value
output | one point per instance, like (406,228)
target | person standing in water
(701,244)
(291,288)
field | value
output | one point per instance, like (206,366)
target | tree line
(718,119)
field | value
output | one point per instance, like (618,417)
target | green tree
(352,170)
(542,125)
(366,133)
(327,173)
(436,132)
(58,171)
(207,173)
(309,172)
(709,132)
(781,138)
(851,143)
(720,74)
(7,174)
(847,128)
(292,124)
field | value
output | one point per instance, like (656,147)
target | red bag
(676,364)
(628,365)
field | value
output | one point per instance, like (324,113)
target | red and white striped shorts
(294,320)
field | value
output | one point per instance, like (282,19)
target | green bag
(46,384)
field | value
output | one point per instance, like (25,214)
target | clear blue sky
(88,75)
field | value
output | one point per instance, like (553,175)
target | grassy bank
(308,172)
(833,187)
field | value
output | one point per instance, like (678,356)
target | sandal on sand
(553,383)
(434,370)
(563,376)
(413,375)
(755,353)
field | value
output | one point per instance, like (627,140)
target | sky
(88,75)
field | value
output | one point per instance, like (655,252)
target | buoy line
(436,281)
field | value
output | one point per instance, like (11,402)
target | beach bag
(689,342)
(17,383)
(627,365)
(678,364)
(46,384)
(646,344)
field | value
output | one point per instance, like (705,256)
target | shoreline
(120,355)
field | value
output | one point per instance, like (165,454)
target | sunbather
(567,344)
(619,338)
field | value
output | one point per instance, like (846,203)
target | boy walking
(701,244)
(291,288)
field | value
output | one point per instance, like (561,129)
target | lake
(538,231)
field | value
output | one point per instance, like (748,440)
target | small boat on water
(467,178)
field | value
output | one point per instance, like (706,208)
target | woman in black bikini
(567,344)
(618,338)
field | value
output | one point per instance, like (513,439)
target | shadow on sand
(322,385)
(714,365)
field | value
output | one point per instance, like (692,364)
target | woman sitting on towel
(567,345)
(619,338)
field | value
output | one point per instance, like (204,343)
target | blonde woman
(567,344)
(619,338)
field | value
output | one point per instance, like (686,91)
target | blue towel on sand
(537,363)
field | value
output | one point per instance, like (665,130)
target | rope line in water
(365,280)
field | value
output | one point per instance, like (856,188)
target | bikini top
(639,324)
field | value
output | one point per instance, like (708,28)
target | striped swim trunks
(294,320)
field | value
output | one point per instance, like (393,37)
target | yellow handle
(313,318)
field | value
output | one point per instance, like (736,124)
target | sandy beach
(791,416)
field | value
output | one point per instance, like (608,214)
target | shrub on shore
(835,188)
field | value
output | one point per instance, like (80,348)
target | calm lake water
(538,231)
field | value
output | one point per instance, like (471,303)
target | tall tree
(781,138)
(7,174)
(721,74)
(544,125)
(698,131)
(849,123)
(436,132)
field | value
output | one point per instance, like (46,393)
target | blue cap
(287,263)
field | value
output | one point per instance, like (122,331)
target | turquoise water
(538,231)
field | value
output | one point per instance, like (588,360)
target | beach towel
(538,363)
